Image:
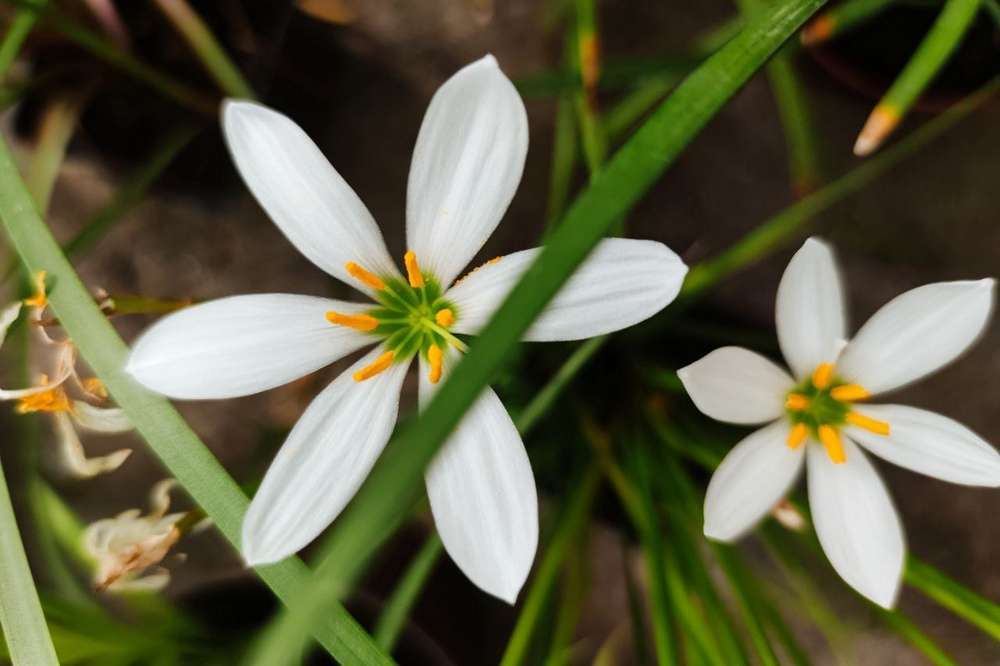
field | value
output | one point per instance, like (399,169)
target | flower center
(53,400)
(820,405)
(411,318)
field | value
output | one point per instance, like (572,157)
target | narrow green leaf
(954,596)
(393,617)
(903,626)
(19,28)
(188,460)
(204,45)
(843,17)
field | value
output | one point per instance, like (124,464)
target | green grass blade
(20,26)
(404,597)
(903,626)
(563,161)
(841,18)
(934,51)
(574,519)
(24,629)
(954,596)
(797,122)
(187,459)
(204,45)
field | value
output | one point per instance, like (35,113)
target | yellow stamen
(797,435)
(95,386)
(490,262)
(39,299)
(361,275)
(53,400)
(378,365)
(797,401)
(445,317)
(849,392)
(830,438)
(868,423)
(359,322)
(435,358)
(822,375)
(413,270)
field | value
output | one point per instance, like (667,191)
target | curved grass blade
(188,460)
(952,595)
(932,54)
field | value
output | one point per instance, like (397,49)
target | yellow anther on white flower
(436,358)
(445,317)
(95,387)
(830,439)
(796,401)
(53,400)
(413,274)
(797,435)
(822,375)
(849,392)
(359,322)
(379,365)
(39,299)
(362,275)
(868,423)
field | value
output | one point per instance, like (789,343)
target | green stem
(204,44)
(20,27)
(563,160)
(188,460)
(25,632)
(404,597)
(573,520)
(955,597)
(842,18)
(903,626)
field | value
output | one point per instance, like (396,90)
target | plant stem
(204,44)
(20,27)
(21,616)
(393,617)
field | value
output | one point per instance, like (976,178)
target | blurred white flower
(49,395)
(466,167)
(128,548)
(815,415)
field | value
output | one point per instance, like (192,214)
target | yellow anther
(436,358)
(822,375)
(868,423)
(39,299)
(796,401)
(830,438)
(361,275)
(53,400)
(413,270)
(490,262)
(359,322)
(849,392)
(445,317)
(797,435)
(494,260)
(95,387)
(378,365)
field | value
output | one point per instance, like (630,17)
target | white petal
(917,333)
(810,309)
(71,460)
(750,481)
(100,419)
(931,444)
(322,463)
(737,385)
(482,494)
(856,523)
(466,167)
(304,195)
(621,283)
(7,317)
(241,345)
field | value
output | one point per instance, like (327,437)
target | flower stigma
(411,317)
(821,405)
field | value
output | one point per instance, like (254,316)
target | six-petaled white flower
(466,166)
(815,416)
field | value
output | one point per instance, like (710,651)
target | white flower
(466,167)
(815,416)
